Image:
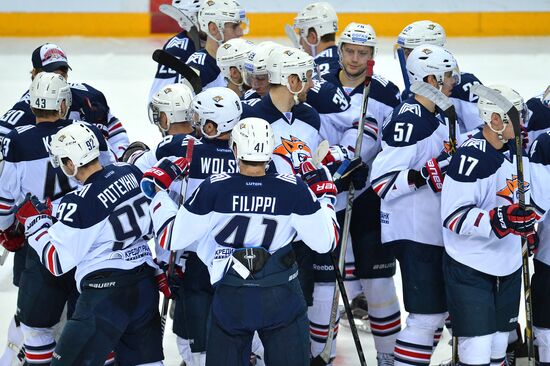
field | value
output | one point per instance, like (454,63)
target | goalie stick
(324,356)
(184,22)
(513,113)
(172,260)
(164,58)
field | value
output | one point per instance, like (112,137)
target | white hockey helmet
(487,108)
(256,62)
(427,60)
(320,16)
(254,140)
(359,34)
(174,100)
(285,61)
(219,105)
(76,142)
(220,12)
(190,8)
(422,32)
(48,90)
(233,53)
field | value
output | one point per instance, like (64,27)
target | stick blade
(431,93)
(289,31)
(500,100)
(320,153)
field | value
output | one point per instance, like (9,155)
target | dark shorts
(479,303)
(125,319)
(422,276)
(42,296)
(19,259)
(372,259)
(540,290)
(304,259)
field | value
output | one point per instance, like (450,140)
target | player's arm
(539,168)
(370,145)
(118,137)
(10,181)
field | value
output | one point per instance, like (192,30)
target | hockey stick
(164,58)
(442,101)
(320,153)
(325,354)
(4,256)
(513,113)
(172,260)
(184,22)
(403,66)
(292,36)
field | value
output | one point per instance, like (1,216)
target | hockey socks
(319,318)
(414,344)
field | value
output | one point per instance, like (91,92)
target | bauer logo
(384,217)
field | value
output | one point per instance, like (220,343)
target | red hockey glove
(13,237)
(512,219)
(434,171)
(532,242)
(162,283)
(34,224)
(162,175)
(32,206)
(319,180)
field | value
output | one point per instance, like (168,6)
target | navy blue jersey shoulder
(205,64)
(540,115)
(272,194)
(250,94)
(266,109)
(462,90)
(19,115)
(410,122)
(327,97)
(172,145)
(384,91)
(212,156)
(101,194)
(84,95)
(475,159)
(540,149)
(328,60)
(179,46)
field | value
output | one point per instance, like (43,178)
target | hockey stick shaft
(172,259)
(325,354)
(184,22)
(513,114)
(164,58)
(403,67)
(4,256)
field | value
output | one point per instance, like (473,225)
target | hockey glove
(162,283)
(32,206)
(532,242)
(336,153)
(319,180)
(162,175)
(95,113)
(434,171)
(350,171)
(13,237)
(34,224)
(512,219)
(134,151)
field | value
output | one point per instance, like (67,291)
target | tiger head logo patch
(294,150)
(510,190)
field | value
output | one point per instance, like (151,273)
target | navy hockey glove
(512,219)
(319,180)
(32,206)
(162,175)
(35,223)
(350,171)
(434,171)
(13,237)
(95,112)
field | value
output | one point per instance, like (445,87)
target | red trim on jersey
(5,207)
(118,125)
(478,219)
(49,256)
(453,223)
(41,235)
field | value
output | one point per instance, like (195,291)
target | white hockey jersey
(105,224)
(27,167)
(231,211)
(411,137)
(480,178)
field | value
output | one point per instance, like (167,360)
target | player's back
(105,223)
(207,69)
(465,103)
(19,115)
(328,60)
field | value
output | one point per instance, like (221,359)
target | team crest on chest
(510,189)
(294,150)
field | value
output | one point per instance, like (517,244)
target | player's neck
(428,104)
(47,119)
(324,45)
(492,138)
(180,128)
(249,170)
(236,88)
(282,99)
(85,172)
(349,81)
(211,47)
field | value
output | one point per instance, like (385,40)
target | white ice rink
(123,70)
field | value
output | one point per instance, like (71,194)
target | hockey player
(538,120)
(101,230)
(88,103)
(179,45)
(413,140)
(428,32)
(317,25)
(230,58)
(255,69)
(221,20)
(482,219)
(257,208)
(27,170)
